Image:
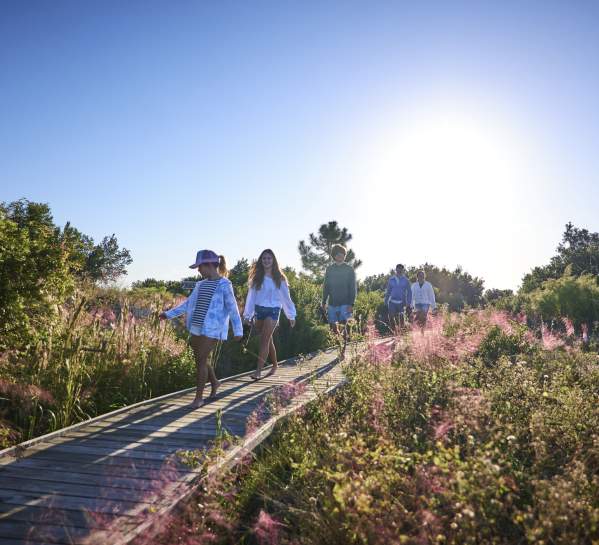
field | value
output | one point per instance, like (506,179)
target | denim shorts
(338,314)
(268,312)
(422,307)
(396,308)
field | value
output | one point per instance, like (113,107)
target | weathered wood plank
(134,483)
(75,503)
(150,441)
(78,518)
(102,470)
(47,533)
(106,492)
(113,461)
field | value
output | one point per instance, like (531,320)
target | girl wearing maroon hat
(207,312)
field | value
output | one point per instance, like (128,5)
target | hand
(162,316)
(292,323)
(246,320)
(350,308)
(238,338)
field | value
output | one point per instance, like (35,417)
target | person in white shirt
(423,298)
(268,293)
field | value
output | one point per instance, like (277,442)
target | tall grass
(474,432)
(97,357)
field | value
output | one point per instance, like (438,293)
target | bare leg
(346,338)
(214,382)
(272,356)
(202,346)
(337,333)
(266,331)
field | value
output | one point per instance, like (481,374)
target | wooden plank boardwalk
(103,480)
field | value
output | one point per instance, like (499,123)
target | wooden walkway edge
(110,478)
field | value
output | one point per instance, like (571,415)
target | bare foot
(197,403)
(215,388)
(272,371)
(254,377)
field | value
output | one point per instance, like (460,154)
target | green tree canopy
(316,255)
(570,296)
(35,272)
(494,295)
(457,288)
(40,264)
(578,249)
(106,262)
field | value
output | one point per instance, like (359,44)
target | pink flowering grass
(267,529)
(98,356)
(436,437)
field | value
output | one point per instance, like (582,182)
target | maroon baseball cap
(204,256)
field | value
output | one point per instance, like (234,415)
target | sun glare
(455,180)
(455,158)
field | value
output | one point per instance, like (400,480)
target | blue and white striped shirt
(206,290)
(223,308)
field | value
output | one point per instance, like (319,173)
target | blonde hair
(222,266)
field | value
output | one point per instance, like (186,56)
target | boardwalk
(102,481)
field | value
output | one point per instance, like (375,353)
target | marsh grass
(106,350)
(497,445)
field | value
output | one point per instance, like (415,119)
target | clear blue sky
(453,133)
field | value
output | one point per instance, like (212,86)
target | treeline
(565,292)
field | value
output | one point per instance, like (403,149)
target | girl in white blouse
(268,293)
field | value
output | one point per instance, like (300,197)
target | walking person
(268,294)
(398,298)
(207,310)
(339,295)
(423,299)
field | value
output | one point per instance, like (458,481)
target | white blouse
(269,296)
(424,294)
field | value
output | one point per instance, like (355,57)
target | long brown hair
(256,277)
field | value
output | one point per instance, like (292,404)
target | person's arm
(250,304)
(352,287)
(325,288)
(388,292)
(232,310)
(408,293)
(179,309)
(413,295)
(288,306)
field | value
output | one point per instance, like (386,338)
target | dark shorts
(422,307)
(268,312)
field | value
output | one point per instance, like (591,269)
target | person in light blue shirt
(398,297)
(207,311)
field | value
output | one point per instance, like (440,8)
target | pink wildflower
(267,529)
(549,339)
(585,333)
(569,327)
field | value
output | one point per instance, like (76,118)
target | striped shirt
(205,292)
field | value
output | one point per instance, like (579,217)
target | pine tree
(316,256)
